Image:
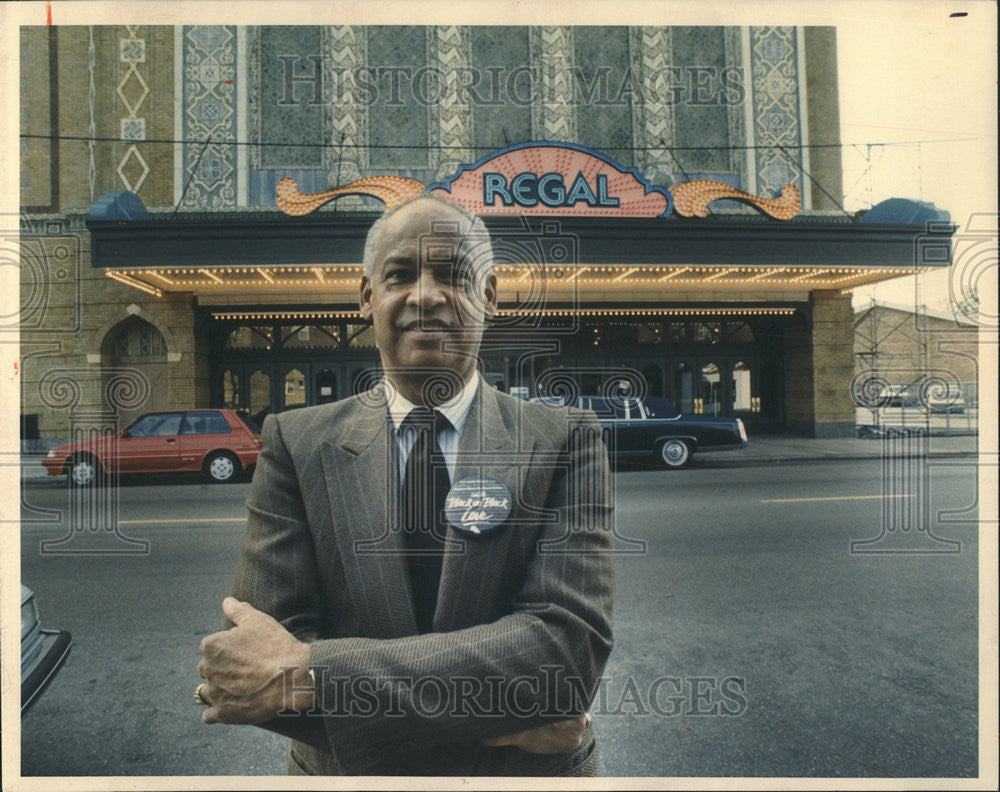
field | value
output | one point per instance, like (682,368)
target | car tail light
(743,430)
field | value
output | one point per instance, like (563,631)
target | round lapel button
(477,504)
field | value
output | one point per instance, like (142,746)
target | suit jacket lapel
(471,564)
(362,479)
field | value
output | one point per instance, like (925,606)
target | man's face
(427,300)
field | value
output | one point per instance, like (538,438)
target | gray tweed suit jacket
(522,626)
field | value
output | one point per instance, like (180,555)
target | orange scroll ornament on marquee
(691,199)
(391,190)
(548,178)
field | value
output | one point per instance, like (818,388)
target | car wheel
(675,453)
(222,467)
(83,471)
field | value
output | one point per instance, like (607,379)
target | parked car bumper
(54,466)
(248,459)
(54,650)
(731,447)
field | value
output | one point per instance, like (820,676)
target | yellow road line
(189,520)
(835,498)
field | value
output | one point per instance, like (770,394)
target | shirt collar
(456,409)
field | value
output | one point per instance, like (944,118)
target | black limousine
(652,426)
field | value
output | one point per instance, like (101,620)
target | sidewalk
(762,449)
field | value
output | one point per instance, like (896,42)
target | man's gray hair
(476,232)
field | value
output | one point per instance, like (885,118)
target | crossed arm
(258,668)
(560,620)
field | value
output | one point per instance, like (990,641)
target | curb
(712,460)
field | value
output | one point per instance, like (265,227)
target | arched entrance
(138,347)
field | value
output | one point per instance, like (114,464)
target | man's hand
(244,668)
(562,737)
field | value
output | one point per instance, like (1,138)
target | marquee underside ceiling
(336,282)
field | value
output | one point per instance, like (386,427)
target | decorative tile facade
(553,117)
(132,91)
(776,113)
(502,107)
(737,95)
(253,78)
(701,122)
(320,90)
(209,113)
(452,55)
(293,99)
(400,131)
(603,91)
(654,116)
(348,52)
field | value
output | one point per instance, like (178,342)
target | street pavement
(771,620)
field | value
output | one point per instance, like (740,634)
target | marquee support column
(833,364)
(819,364)
(189,368)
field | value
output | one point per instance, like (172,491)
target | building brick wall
(903,346)
(89,105)
(75,112)
(823,116)
(70,314)
(36,162)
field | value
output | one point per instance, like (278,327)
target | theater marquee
(549,178)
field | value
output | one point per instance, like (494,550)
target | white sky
(908,72)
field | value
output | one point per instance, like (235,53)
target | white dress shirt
(456,410)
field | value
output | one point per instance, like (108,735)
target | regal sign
(553,178)
(549,178)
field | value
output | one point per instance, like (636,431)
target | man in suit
(380,636)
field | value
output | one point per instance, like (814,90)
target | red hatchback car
(222,444)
